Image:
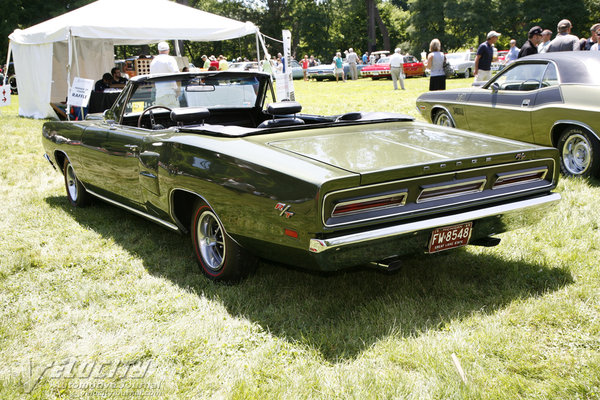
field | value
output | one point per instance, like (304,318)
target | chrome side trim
(138,212)
(321,245)
(50,161)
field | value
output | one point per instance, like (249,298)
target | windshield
(195,91)
(383,60)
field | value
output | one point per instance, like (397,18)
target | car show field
(85,287)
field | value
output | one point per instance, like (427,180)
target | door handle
(525,103)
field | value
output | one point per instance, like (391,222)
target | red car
(412,67)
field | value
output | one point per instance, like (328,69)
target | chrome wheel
(71,179)
(467,73)
(444,119)
(210,239)
(577,154)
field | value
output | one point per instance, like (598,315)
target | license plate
(450,237)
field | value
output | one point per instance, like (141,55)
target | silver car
(463,63)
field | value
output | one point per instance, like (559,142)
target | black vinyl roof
(579,67)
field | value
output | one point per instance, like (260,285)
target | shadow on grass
(338,315)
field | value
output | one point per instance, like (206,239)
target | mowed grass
(86,292)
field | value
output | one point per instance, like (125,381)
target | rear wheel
(76,193)
(579,152)
(219,257)
(443,118)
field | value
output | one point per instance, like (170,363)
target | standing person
(596,46)
(435,62)
(564,41)
(206,64)
(530,46)
(546,36)
(483,59)
(365,58)
(166,92)
(513,52)
(593,37)
(305,64)
(372,59)
(397,68)
(338,66)
(352,59)
(312,62)
(223,65)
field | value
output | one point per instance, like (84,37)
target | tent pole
(70,58)
(258,50)
(7,63)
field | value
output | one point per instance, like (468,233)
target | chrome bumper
(517,207)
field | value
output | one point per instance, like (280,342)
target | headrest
(284,107)
(189,114)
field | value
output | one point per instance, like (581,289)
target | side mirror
(108,116)
(495,87)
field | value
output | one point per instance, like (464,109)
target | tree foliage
(323,27)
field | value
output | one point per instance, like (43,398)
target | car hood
(392,149)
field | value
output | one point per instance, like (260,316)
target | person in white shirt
(396,68)
(546,36)
(166,92)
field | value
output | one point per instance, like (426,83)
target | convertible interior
(223,103)
(238,122)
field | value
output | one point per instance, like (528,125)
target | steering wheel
(149,110)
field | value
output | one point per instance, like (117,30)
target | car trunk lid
(386,151)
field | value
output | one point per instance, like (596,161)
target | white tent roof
(81,43)
(135,22)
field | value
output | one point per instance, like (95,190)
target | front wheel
(578,153)
(76,193)
(467,73)
(444,119)
(219,257)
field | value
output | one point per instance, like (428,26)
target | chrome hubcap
(444,120)
(71,183)
(577,154)
(210,241)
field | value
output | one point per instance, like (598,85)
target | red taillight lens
(521,177)
(451,190)
(368,204)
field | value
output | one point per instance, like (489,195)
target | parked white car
(463,63)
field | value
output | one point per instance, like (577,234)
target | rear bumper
(357,248)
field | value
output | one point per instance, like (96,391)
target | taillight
(368,204)
(444,191)
(515,178)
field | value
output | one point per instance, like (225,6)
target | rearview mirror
(495,87)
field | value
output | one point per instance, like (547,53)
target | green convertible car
(548,99)
(199,153)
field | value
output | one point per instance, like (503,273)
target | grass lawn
(99,303)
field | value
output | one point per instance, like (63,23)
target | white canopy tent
(81,43)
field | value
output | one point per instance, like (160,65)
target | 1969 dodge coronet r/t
(198,153)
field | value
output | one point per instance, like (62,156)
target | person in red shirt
(305,63)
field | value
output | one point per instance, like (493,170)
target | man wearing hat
(564,41)
(530,46)
(166,92)
(483,60)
